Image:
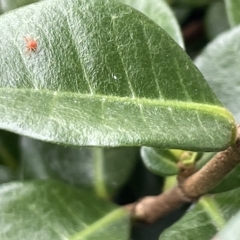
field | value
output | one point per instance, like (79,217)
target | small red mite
(31,44)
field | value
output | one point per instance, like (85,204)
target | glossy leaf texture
(233,11)
(102,170)
(7,5)
(205,219)
(219,63)
(53,210)
(160,161)
(103,74)
(160,13)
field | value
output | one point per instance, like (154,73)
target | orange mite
(31,44)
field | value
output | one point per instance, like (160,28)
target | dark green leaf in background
(204,158)
(192,3)
(205,219)
(104,75)
(160,161)
(102,170)
(216,20)
(160,13)
(219,63)
(181,12)
(233,11)
(7,5)
(229,182)
(54,211)
(7,174)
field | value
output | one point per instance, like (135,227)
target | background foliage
(79,189)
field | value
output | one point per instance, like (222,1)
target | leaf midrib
(109,218)
(212,209)
(203,107)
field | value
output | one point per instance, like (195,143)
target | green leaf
(219,63)
(104,75)
(229,182)
(181,12)
(192,3)
(7,5)
(102,170)
(231,230)
(205,219)
(159,12)
(52,210)
(160,161)
(204,159)
(7,174)
(233,11)
(216,20)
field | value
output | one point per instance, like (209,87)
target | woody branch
(150,209)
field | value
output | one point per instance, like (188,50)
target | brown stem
(149,209)
(212,173)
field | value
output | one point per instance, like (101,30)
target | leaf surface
(219,63)
(103,75)
(216,20)
(52,210)
(205,219)
(233,11)
(231,230)
(102,170)
(160,161)
(159,12)
(7,174)
(191,2)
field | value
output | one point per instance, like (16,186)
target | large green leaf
(219,63)
(205,219)
(102,170)
(159,12)
(54,211)
(104,74)
(233,11)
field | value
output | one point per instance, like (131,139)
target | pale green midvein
(220,110)
(109,218)
(214,212)
(99,182)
